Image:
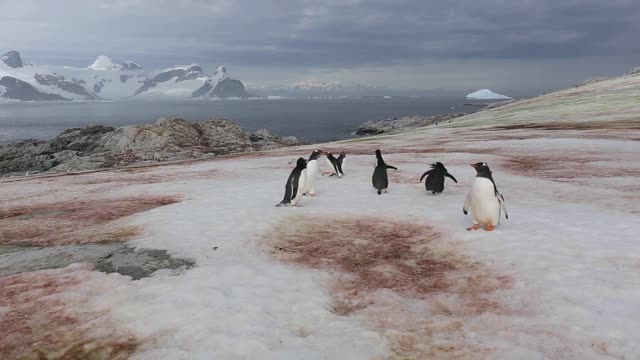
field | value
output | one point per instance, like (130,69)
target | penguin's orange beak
(473,165)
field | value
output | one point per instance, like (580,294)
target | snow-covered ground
(559,280)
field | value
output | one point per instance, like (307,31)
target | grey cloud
(329,34)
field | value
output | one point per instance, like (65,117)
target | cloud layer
(429,42)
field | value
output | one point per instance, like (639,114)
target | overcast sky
(517,47)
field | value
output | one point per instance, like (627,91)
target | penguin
(342,159)
(313,168)
(379,179)
(295,184)
(334,165)
(337,164)
(484,200)
(435,178)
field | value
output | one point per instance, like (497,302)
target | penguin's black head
(482,168)
(315,154)
(378,153)
(437,165)
(301,164)
(343,155)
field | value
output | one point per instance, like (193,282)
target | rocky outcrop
(108,258)
(590,81)
(130,65)
(395,125)
(204,90)
(180,74)
(12,59)
(229,88)
(73,87)
(16,89)
(166,139)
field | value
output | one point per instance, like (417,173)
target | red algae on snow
(376,259)
(74,221)
(44,315)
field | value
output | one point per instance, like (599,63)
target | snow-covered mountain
(317,85)
(486,94)
(107,80)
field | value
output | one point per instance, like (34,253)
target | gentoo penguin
(336,164)
(333,162)
(484,200)
(313,168)
(342,159)
(380,180)
(435,178)
(295,184)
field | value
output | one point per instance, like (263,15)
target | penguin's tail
(379,192)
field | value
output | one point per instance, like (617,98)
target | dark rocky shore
(171,138)
(395,125)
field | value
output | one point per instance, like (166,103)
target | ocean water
(307,119)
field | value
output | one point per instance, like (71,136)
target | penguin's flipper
(467,204)
(425,174)
(503,205)
(451,177)
(392,167)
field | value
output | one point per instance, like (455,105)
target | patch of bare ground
(400,277)
(44,316)
(74,221)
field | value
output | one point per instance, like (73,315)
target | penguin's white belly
(485,207)
(302,182)
(313,168)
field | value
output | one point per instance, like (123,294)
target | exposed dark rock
(130,65)
(12,59)
(108,258)
(44,79)
(96,147)
(97,87)
(590,81)
(140,263)
(77,89)
(498,104)
(20,90)
(229,88)
(403,123)
(190,73)
(203,90)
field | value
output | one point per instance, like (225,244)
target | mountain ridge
(105,79)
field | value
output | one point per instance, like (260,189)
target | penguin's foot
(312,195)
(474,227)
(489,228)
